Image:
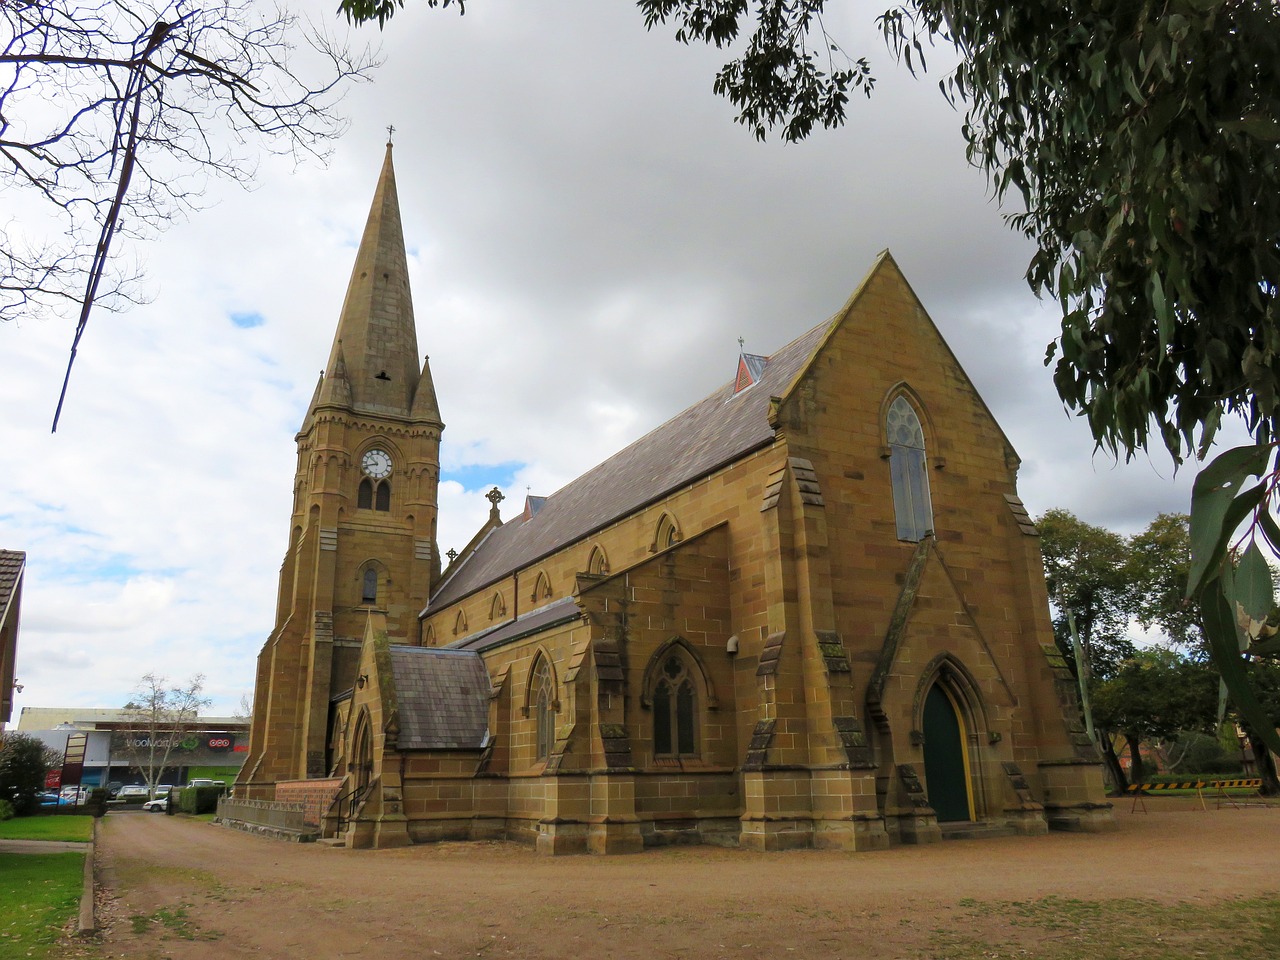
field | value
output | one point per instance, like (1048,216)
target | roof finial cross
(390,130)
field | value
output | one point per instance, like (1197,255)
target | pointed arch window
(908,471)
(666,534)
(541,587)
(543,699)
(497,608)
(369,585)
(597,563)
(675,709)
(371,496)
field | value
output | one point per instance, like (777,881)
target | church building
(808,611)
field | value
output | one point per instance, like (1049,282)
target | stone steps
(965,830)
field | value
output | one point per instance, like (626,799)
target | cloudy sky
(589,234)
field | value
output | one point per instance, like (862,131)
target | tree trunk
(1111,764)
(1137,771)
(1265,763)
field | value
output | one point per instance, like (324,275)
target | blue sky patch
(482,476)
(248,319)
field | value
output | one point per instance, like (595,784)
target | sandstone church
(808,611)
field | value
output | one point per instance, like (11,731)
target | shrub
(96,804)
(6,810)
(23,762)
(195,800)
(1207,755)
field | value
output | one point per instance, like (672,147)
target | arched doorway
(946,766)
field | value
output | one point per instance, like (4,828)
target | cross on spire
(390,130)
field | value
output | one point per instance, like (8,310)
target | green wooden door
(944,766)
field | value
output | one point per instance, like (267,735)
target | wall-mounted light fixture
(362,680)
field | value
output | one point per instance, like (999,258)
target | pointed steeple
(376,331)
(425,407)
(335,388)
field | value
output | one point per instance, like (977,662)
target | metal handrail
(347,804)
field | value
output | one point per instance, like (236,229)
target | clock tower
(363,529)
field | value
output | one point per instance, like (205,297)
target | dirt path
(188,890)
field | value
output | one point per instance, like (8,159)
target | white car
(158,805)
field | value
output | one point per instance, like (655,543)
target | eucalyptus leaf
(1214,503)
(1253,588)
(1220,630)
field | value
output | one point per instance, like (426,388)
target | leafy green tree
(1159,561)
(1157,695)
(1085,570)
(24,761)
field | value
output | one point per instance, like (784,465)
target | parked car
(48,799)
(132,791)
(158,805)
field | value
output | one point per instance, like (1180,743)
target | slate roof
(553,614)
(708,435)
(11,562)
(443,697)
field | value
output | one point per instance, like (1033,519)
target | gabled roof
(708,435)
(553,614)
(443,697)
(11,564)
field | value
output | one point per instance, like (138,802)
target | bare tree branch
(114,113)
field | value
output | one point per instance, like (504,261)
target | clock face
(376,463)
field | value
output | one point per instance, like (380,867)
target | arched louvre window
(364,499)
(369,588)
(675,710)
(908,471)
(597,563)
(666,534)
(383,496)
(543,697)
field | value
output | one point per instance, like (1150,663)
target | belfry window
(374,497)
(908,471)
(369,586)
(675,710)
(542,690)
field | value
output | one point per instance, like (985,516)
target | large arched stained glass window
(542,690)
(908,471)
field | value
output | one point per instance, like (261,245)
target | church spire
(376,340)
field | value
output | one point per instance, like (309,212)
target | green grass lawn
(39,893)
(47,827)
(1057,928)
